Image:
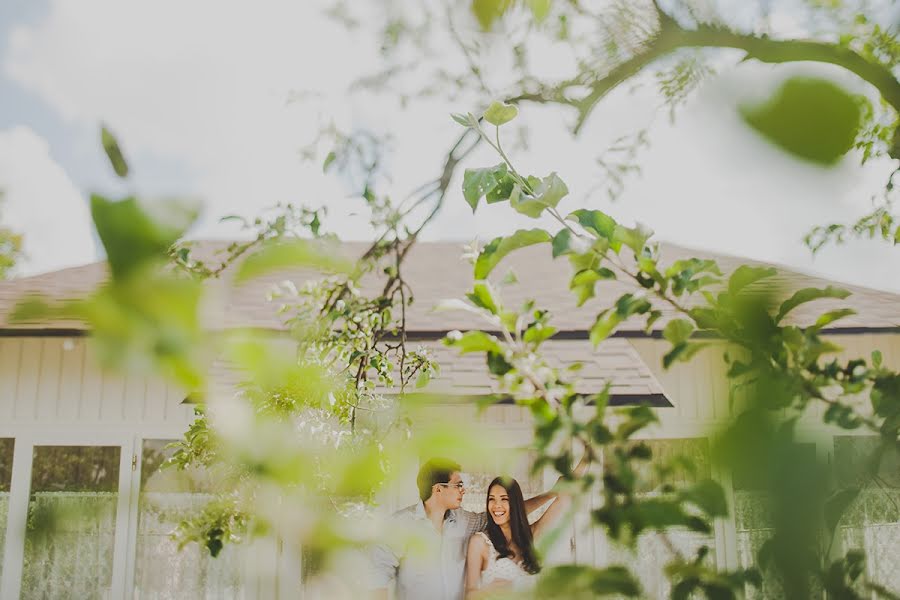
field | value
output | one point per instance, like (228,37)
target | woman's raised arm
(560,503)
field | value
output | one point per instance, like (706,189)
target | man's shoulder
(475,521)
(408,512)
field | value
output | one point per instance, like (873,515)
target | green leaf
(134,235)
(538,333)
(831,316)
(876,359)
(499,113)
(581,581)
(562,243)
(509,319)
(604,325)
(808,295)
(423,378)
(634,238)
(525,204)
(708,496)
(626,306)
(479,182)
(113,152)
(682,352)
(474,341)
(584,282)
(503,191)
(482,295)
(499,247)
(330,158)
(488,11)
(461,119)
(811,118)
(746,275)
(678,331)
(551,190)
(497,364)
(837,504)
(539,9)
(32,309)
(598,223)
(291,254)
(547,192)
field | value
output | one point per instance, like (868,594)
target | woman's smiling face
(498,504)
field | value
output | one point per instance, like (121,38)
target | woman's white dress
(503,568)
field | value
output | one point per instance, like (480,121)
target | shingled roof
(436,271)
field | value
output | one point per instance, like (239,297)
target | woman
(503,556)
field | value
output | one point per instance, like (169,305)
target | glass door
(6,459)
(67,520)
(161,570)
(70,533)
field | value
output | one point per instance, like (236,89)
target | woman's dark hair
(518,525)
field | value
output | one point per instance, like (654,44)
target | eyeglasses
(458,485)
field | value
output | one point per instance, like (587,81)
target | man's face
(451,493)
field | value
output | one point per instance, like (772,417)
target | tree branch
(671,36)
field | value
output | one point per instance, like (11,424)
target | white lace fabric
(502,568)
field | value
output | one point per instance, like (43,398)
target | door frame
(20,493)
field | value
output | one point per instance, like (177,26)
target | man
(434,569)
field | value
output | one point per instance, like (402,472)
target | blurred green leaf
(291,254)
(474,341)
(329,159)
(745,275)
(578,581)
(488,11)
(677,331)
(831,316)
(500,113)
(499,247)
(811,118)
(538,333)
(539,8)
(113,152)
(583,283)
(482,295)
(633,237)
(134,235)
(808,295)
(708,496)
(626,306)
(461,119)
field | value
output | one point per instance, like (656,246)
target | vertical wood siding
(56,381)
(699,389)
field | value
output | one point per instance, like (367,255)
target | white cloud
(207,84)
(42,202)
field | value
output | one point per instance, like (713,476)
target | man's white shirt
(430,564)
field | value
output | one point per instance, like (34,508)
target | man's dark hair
(436,470)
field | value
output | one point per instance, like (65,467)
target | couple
(464,554)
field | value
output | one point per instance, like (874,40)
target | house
(59,411)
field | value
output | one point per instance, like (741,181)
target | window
(6,458)
(168,496)
(70,532)
(872,522)
(651,553)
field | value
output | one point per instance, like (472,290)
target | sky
(215,101)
